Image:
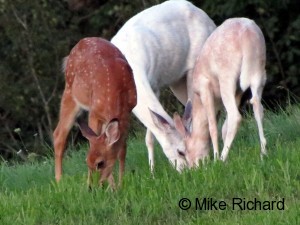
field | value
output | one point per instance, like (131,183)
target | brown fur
(98,79)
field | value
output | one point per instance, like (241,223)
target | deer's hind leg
(68,112)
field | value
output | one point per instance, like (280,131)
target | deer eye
(100,165)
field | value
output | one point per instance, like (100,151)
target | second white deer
(232,60)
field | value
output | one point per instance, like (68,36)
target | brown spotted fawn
(98,79)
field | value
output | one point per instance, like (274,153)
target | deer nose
(100,165)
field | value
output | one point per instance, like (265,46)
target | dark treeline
(36,35)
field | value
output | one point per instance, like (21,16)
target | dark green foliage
(35,36)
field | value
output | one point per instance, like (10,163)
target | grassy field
(29,194)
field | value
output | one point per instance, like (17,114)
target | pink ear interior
(160,121)
(86,131)
(112,132)
(187,116)
(179,125)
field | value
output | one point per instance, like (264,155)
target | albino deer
(232,60)
(98,79)
(161,45)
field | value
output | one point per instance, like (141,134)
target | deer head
(197,146)
(174,132)
(101,155)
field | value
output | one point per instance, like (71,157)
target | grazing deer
(161,44)
(98,79)
(231,61)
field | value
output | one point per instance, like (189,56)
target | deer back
(163,41)
(234,51)
(100,78)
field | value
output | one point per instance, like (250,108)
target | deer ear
(187,115)
(179,125)
(112,132)
(86,131)
(160,121)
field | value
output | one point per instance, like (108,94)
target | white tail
(98,79)
(231,61)
(161,44)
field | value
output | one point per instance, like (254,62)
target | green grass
(29,194)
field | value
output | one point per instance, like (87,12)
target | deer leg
(149,139)
(224,127)
(233,119)
(68,112)
(122,158)
(96,126)
(111,182)
(207,99)
(259,114)
(90,179)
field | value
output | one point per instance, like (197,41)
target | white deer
(231,61)
(161,44)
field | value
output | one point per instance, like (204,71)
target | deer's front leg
(90,179)
(208,102)
(233,119)
(149,139)
(122,158)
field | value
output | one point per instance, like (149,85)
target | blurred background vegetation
(35,35)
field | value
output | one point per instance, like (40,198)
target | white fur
(232,60)
(161,44)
